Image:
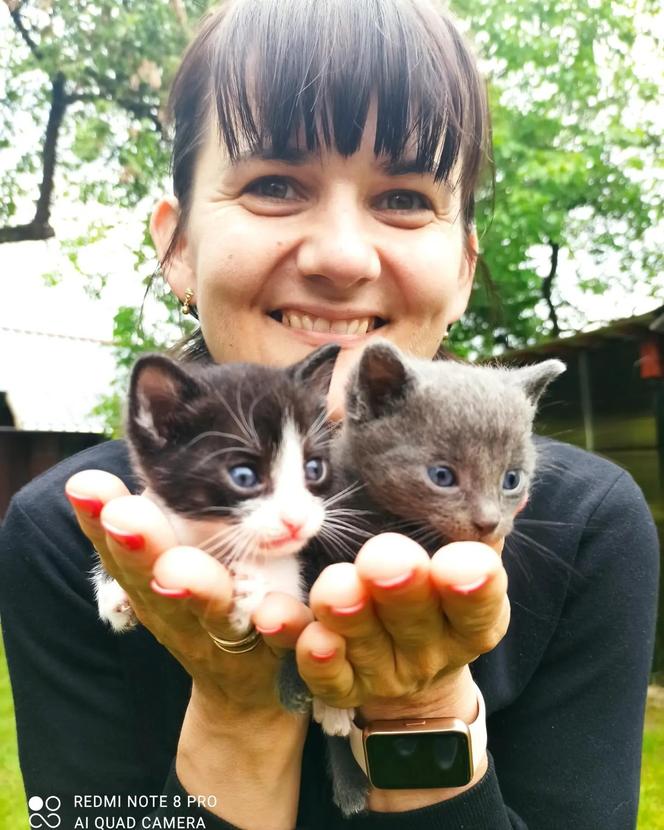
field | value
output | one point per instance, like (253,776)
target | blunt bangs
(280,73)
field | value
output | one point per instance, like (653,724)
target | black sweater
(99,713)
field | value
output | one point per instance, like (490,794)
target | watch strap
(476,729)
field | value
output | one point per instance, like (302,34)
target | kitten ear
(380,381)
(159,391)
(316,369)
(534,379)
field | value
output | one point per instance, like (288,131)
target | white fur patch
(113,603)
(290,500)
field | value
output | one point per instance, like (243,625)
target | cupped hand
(395,631)
(138,547)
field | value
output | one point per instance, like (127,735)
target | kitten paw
(333,721)
(114,607)
(248,593)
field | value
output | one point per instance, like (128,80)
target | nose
(485,526)
(337,252)
(485,517)
(294,526)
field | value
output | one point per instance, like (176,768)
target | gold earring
(188,294)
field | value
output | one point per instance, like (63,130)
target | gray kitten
(445,453)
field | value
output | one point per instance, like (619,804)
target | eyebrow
(299,157)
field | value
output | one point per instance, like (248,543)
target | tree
(572,171)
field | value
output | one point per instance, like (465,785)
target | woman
(325,160)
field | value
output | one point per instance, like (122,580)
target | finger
(281,619)
(473,588)
(137,532)
(395,570)
(88,492)
(342,603)
(322,664)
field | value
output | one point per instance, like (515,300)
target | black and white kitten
(238,458)
(444,451)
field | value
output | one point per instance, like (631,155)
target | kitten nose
(486,524)
(293,526)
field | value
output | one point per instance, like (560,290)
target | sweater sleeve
(568,750)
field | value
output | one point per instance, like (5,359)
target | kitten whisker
(551,555)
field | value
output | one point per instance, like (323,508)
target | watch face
(418,760)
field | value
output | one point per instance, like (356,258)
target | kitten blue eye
(244,476)
(512,479)
(442,476)
(314,470)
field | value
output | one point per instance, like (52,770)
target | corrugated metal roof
(628,328)
(53,381)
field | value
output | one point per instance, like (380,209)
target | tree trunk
(40,227)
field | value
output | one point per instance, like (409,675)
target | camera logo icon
(44,811)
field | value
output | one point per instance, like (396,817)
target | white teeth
(320,324)
(360,325)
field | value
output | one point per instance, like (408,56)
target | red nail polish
(470,587)
(324,656)
(92,507)
(269,631)
(132,541)
(395,581)
(350,610)
(173,593)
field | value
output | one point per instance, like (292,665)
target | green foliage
(562,76)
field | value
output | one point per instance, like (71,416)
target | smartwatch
(420,753)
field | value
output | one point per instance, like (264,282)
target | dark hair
(273,69)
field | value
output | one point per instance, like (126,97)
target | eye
(442,476)
(315,470)
(272,187)
(405,201)
(512,480)
(244,477)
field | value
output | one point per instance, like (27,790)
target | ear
(379,383)
(316,369)
(178,273)
(534,379)
(159,391)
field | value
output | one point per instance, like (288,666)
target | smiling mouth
(307,322)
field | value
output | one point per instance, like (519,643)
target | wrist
(249,760)
(453,697)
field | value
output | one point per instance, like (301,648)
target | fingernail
(174,593)
(323,656)
(269,631)
(92,507)
(350,610)
(395,581)
(470,587)
(132,541)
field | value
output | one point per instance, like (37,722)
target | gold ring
(247,643)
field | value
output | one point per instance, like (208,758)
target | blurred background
(572,239)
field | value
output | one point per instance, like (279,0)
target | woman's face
(286,254)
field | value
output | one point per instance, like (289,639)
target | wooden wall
(24,455)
